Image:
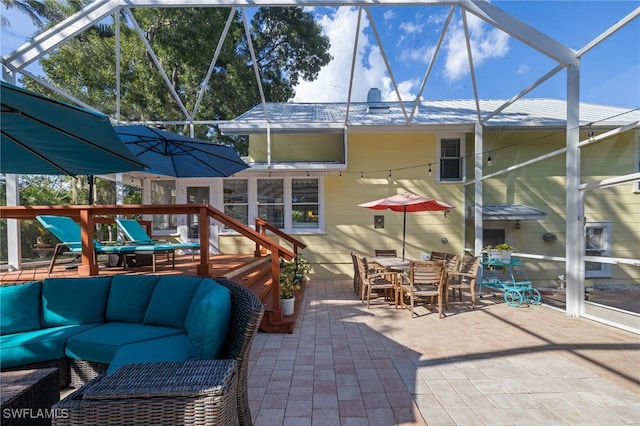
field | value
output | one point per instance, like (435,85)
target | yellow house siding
(297,147)
(371,157)
(349,227)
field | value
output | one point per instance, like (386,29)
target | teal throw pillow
(69,301)
(129,297)
(20,307)
(208,321)
(171,300)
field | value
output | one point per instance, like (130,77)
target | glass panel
(236,199)
(304,191)
(235,191)
(304,203)
(450,160)
(238,212)
(595,246)
(164,192)
(196,195)
(270,191)
(271,201)
(274,214)
(304,216)
(450,169)
(450,148)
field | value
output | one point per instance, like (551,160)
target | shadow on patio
(345,364)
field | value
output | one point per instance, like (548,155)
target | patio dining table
(395,264)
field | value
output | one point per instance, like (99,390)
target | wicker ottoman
(171,393)
(27,396)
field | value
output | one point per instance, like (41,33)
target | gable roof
(450,114)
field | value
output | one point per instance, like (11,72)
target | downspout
(575,239)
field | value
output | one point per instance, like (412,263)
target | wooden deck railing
(87,216)
(262,226)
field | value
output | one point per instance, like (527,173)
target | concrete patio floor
(345,364)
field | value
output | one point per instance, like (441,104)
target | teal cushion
(173,348)
(69,301)
(20,307)
(208,320)
(129,297)
(171,300)
(101,343)
(37,345)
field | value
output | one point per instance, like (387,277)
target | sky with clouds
(503,66)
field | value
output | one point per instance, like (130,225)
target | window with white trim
(451,155)
(289,203)
(304,203)
(598,243)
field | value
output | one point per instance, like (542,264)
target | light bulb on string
(429,169)
(489,162)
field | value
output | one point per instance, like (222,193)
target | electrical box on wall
(378,221)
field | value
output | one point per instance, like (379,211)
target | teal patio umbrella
(173,154)
(44,136)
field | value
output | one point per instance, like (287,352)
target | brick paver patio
(497,365)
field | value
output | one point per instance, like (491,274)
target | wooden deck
(251,271)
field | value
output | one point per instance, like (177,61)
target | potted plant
(492,253)
(288,284)
(303,267)
(505,251)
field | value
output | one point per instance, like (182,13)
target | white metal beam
(575,240)
(58,34)
(521,31)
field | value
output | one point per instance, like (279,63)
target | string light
(389,174)
(516,144)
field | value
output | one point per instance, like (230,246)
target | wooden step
(256,275)
(273,321)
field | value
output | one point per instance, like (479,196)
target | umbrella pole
(91,183)
(404,229)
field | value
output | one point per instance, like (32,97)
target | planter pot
(494,256)
(287,306)
(506,256)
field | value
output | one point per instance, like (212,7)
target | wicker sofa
(80,325)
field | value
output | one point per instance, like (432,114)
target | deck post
(204,267)
(89,267)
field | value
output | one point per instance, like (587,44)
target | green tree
(289,48)
(40,12)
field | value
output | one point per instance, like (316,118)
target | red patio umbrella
(407,202)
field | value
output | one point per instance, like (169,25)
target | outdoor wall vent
(374,102)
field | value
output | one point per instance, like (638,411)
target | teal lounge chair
(137,235)
(69,234)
